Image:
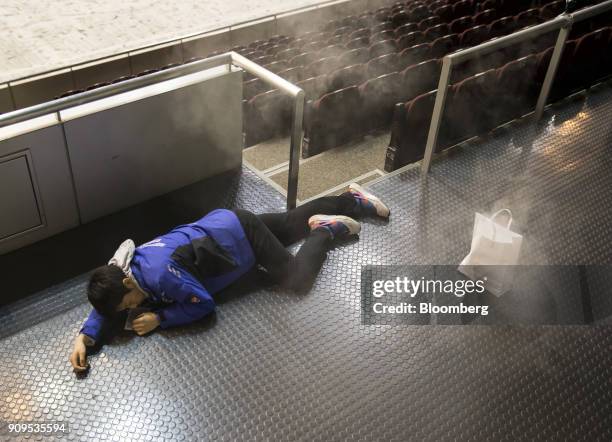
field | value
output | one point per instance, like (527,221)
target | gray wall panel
(51,172)
(6,104)
(206,44)
(250,33)
(300,22)
(17,197)
(101,71)
(156,58)
(41,89)
(155,145)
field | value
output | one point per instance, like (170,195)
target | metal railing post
(295,150)
(551,72)
(297,120)
(438,113)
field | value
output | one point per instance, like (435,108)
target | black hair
(106,290)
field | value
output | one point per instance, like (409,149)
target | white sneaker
(338,225)
(369,201)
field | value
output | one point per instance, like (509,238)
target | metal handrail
(563,23)
(229,58)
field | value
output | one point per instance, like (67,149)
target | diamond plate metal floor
(274,366)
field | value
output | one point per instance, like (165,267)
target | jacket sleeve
(94,325)
(193,302)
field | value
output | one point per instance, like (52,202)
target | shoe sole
(375,200)
(347,221)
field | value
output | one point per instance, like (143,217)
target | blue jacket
(183,268)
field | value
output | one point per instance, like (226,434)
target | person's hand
(145,322)
(78,358)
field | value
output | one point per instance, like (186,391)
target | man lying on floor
(176,274)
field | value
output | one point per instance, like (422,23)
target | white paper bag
(496,247)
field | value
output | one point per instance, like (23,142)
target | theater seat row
(386,41)
(482,102)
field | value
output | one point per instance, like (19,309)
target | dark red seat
(383,14)
(399,19)
(472,106)
(129,77)
(265,46)
(405,29)
(331,25)
(345,30)
(331,51)
(354,56)
(444,45)
(253,53)
(266,59)
(240,49)
(313,87)
(255,44)
(382,48)
(267,115)
(551,10)
(316,36)
(254,87)
(514,7)
(491,4)
(379,96)
(445,13)
(474,36)
(527,18)
(303,59)
(518,90)
(288,54)
(419,13)
(463,8)
(348,76)
(382,65)
(459,25)
(590,57)
(485,17)
(314,46)
(292,74)
(273,50)
(428,23)
(565,80)
(382,36)
(415,54)
(409,131)
(322,66)
(419,78)
(502,26)
(351,21)
(363,32)
(411,39)
(333,120)
(108,83)
(276,66)
(437,4)
(337,39)
(283,39)
(384,26)
(360,42)
(437,31)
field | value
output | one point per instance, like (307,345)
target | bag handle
(501,211)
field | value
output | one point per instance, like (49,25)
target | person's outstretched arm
(90,333)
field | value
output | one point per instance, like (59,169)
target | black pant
(270,233)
